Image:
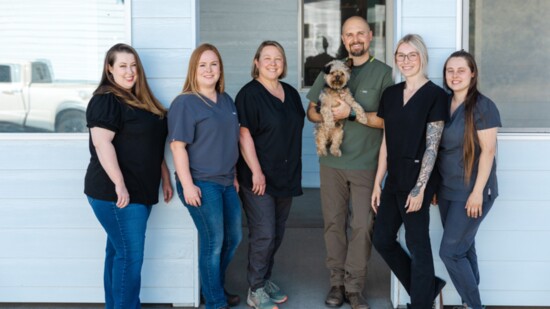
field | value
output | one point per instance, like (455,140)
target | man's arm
(312,114)
(344,112)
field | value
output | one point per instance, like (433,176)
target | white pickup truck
(31,101)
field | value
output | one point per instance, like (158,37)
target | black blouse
(276,128)
(139,141)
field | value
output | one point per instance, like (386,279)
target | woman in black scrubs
(414,112)
(270,168)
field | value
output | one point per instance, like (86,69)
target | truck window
(5,74)
(41,73)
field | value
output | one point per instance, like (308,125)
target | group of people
(420,144)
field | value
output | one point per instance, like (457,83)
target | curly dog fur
(330,133)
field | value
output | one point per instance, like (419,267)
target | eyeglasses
(411,56)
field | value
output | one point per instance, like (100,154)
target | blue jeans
(218,223)
(125,229)
(458,250)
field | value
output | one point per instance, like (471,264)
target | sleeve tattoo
(433,137)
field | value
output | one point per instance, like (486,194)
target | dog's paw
(336,152)
(321,152)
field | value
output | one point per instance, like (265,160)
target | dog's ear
(349,63)
(327,68)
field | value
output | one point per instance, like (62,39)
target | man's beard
(358,53)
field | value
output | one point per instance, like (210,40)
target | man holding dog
(350,177)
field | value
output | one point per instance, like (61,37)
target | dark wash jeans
(218,223)
(415,272)
(125,229)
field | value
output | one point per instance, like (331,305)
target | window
(322,22)
(51,60)
(510,40)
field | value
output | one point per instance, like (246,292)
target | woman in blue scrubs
(467,166)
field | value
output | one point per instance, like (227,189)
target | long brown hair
(140,95)
(470,135)
(191,84)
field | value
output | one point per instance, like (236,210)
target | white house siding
(52,244)
(68,33)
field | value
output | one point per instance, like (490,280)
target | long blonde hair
(140,95)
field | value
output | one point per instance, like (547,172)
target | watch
(352,115)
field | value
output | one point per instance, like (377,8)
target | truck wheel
(71,122)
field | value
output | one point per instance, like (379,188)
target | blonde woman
(414,112)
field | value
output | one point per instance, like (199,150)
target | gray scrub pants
(266,216)
(458,250)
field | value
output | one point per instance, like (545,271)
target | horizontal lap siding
(53,246)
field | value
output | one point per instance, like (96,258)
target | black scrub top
(405,131)
(276,128)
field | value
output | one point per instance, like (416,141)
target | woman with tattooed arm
(414,112)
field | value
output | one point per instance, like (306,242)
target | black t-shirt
(139,141)
(276,128)
(405,130)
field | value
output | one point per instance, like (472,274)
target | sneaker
(335,297)
(356,300)
(274,292)
(260,300)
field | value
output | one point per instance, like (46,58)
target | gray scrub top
(450,161)
(211,132)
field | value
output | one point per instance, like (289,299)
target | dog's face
(337,74)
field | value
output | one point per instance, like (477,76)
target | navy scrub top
(450,161)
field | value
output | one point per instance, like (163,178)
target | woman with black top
(467,166)
(414,112)
(127,137)
(204,139)
(270,167)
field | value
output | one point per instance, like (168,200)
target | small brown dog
(329,132)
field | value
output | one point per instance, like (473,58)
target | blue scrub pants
(458,250)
